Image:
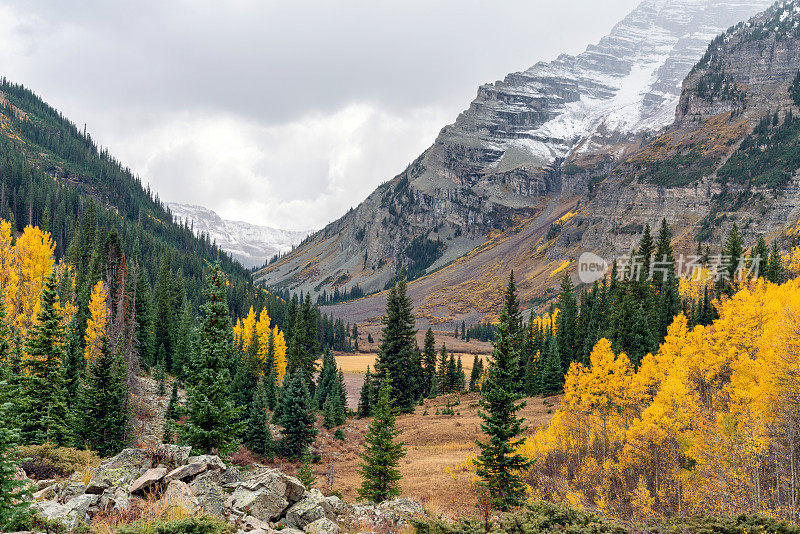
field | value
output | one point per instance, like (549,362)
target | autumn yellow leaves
(709,423)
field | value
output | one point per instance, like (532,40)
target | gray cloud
(283,113)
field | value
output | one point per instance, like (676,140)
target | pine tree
(381,453)
(429,359)
(296,416)
(498,464)
(328,376)
(306,474)
(328,417)
(475,374)
(397,347)
(733,252)
(567,323)
(160,376)
(461,379)
(774,267)
(551,377)
(214,421)
(100,409)
(43,385)
(760,257)
(258,436)
(645,253)
(14,496)
(364,398)
(272,389)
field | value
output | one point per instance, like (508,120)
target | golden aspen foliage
(32,262)
(97,325)
(709,423)
(8,275)
(280,354)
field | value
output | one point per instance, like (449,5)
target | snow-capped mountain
(251,244)
(501,161)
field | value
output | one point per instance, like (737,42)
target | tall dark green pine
(15,498)
(733,251)
(43,385)
(550,375)
(213,422)
(475,374)
(429,359)
(258,436)
(567,323)
(296,416)
(397,348)
(303,346)
(760,257)
(461,379)
(645,253)
(328,377)
(365,396)
(379,473)
(774,266)
(441,375)
(100,416)
(498,465)
(74,363)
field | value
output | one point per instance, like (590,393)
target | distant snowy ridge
(251,244)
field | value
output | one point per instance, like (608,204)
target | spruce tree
(214,421)
(43,394)
(498,464)
(258,436)
(774,266)
(381,453)
(475,374)
(14,495)
(733,252)
(364,398)
(550,376)
(100,409)
(461,379)
(760,257)
(296,416)
(272,389)
(645,253)
(328,417)
(397,348)
(429,359)
(567,323)
(328,376)
(306,474)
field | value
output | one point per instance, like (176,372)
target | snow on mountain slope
(627,83)
(251,244)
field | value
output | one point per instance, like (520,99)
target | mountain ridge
(483,175)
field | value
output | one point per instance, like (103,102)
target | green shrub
(48,461)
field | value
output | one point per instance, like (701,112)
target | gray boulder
(322,526)
(115,499)
(265,496)
(118,470)
(210,495)
(173,454)
(73,487)
(310,508)
(148,480)
(71,513)
(179,494)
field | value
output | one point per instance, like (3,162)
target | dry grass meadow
(437,447)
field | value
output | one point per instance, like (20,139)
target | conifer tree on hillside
(381,453)
(328,377)
(214,421)
(397,349)
(461,379)
(733,252)
(475,374)
(365,397)
(43,399)
(100,414)
(303,346)
(567,323)
(15,498)
(498,463)
(296,416)
(258,436)
(441,378)
(645,253)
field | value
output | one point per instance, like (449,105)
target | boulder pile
(259,502)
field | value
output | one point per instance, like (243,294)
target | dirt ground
(437,447)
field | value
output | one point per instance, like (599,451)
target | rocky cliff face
(500,163)
(252,245)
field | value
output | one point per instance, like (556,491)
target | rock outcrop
(266,501)
(500,163)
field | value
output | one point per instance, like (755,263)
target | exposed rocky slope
(262,501)
(251,244)
(500,163)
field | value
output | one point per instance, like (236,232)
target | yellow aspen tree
(280,353)
(9,280)
(33,262)
(97,325)
(261,334)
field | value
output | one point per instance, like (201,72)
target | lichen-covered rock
(231,476)
(186,472)
(212,461)
(175,455)
(178,493)
(115,499)
(118,470)
(322,526)
(48,492)
(210,495)
(338,506)
(264,502)
(309,509)
(71,513)
(73,487)
(403,506)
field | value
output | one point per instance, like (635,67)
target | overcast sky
(281,113)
